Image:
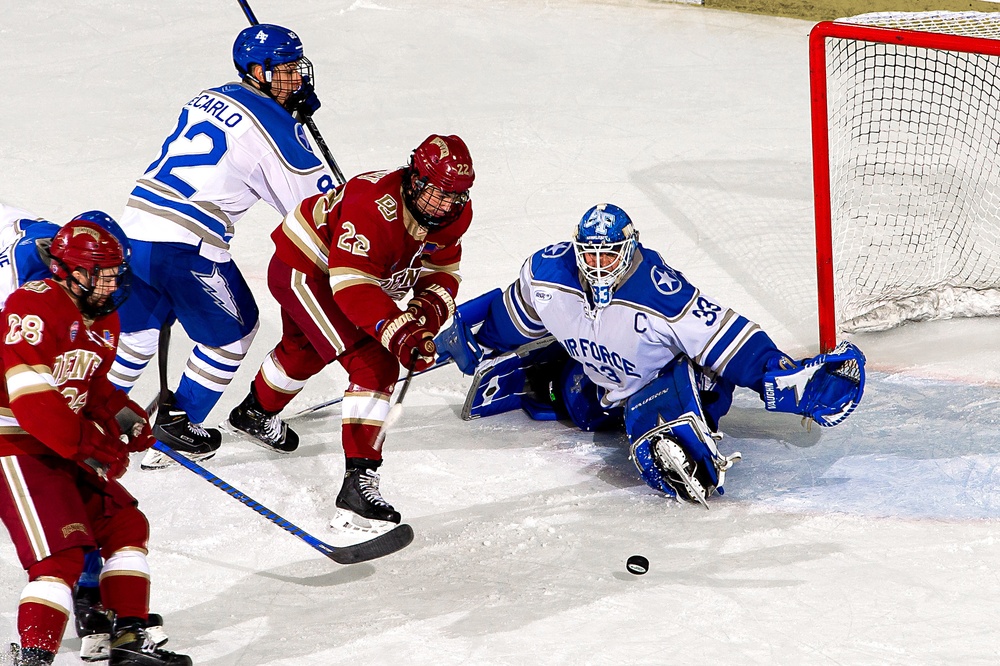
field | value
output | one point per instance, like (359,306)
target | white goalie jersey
(19,260)
(654,316)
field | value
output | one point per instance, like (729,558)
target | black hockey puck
(637,564)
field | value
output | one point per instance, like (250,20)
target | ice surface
(871,543)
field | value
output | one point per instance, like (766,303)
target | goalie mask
(87,255)
(437,181)
(278,51)
(604,244)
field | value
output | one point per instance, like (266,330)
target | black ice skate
(93,625)
(30,656)
(265,428)
(174,428)
(136,646)
(360,506)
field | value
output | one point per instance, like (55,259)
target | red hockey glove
(102,452)
(409,341)
(133,422)
(432,307)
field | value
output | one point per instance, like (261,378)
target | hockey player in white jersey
(632,340)
(232,146)
(24,241)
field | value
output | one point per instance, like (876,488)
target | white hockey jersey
(654,315)
(232,146)
(19,260)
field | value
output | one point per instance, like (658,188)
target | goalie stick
(385,544)
(307,121)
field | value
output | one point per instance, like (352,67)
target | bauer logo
(665,280)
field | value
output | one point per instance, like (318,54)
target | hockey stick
(340,399)
(162,347)
(307,121)
(385,544)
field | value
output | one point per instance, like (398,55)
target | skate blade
(236,433)
(349,528)
(95,647)
(156,460)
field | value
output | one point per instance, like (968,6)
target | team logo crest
(442,146)
(665,280)
(73,527)
(73,330)
(600,221)
(557,250)
(261,36)
(300,136)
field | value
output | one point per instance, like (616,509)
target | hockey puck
(637,564)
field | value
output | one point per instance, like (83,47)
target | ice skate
(93,625)
(136,646)
(30,656)
(174,428)
(266,429)
(361,510)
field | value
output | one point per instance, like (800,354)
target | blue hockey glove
(457,340)
(303,101)
(825,388)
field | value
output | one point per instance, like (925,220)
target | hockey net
(906,162)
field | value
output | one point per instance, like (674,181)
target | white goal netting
(914,154)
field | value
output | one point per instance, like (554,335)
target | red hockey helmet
(87,247)
(444,163)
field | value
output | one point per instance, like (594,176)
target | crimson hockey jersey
(364,239)
(55,363)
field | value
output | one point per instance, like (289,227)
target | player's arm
(436,289)
(512,320)
(115,412)
(42,411)
(282,187)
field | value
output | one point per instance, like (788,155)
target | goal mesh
(914,158)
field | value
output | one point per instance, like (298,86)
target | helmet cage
(427,217)
(88,251)
(605,235)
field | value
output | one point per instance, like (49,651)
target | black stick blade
(395,539)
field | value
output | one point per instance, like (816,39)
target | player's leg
(141,316)
(122,532)
(44,514)
(216,307)
(313,331)
(674,442)
(372,372)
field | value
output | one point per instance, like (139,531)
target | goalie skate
(681,472)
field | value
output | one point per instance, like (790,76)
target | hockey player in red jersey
(65,438)
(342,261)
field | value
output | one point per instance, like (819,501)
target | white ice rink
(872,543)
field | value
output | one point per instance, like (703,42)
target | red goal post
(901,49)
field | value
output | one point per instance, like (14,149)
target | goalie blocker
(672,423)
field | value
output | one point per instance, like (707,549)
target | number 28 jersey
(54,364)
(654,316)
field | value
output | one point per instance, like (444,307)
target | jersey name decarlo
(216,108)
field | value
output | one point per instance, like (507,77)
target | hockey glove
(432,307)
(408,340)
(825,388)
(133,422)
(303,102)
(103,453)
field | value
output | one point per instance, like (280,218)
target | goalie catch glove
(824,388)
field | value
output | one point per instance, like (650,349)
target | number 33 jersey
(655,314)
(54,363)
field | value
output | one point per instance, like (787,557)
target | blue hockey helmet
(102,219)
(269,45)
(604,244)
